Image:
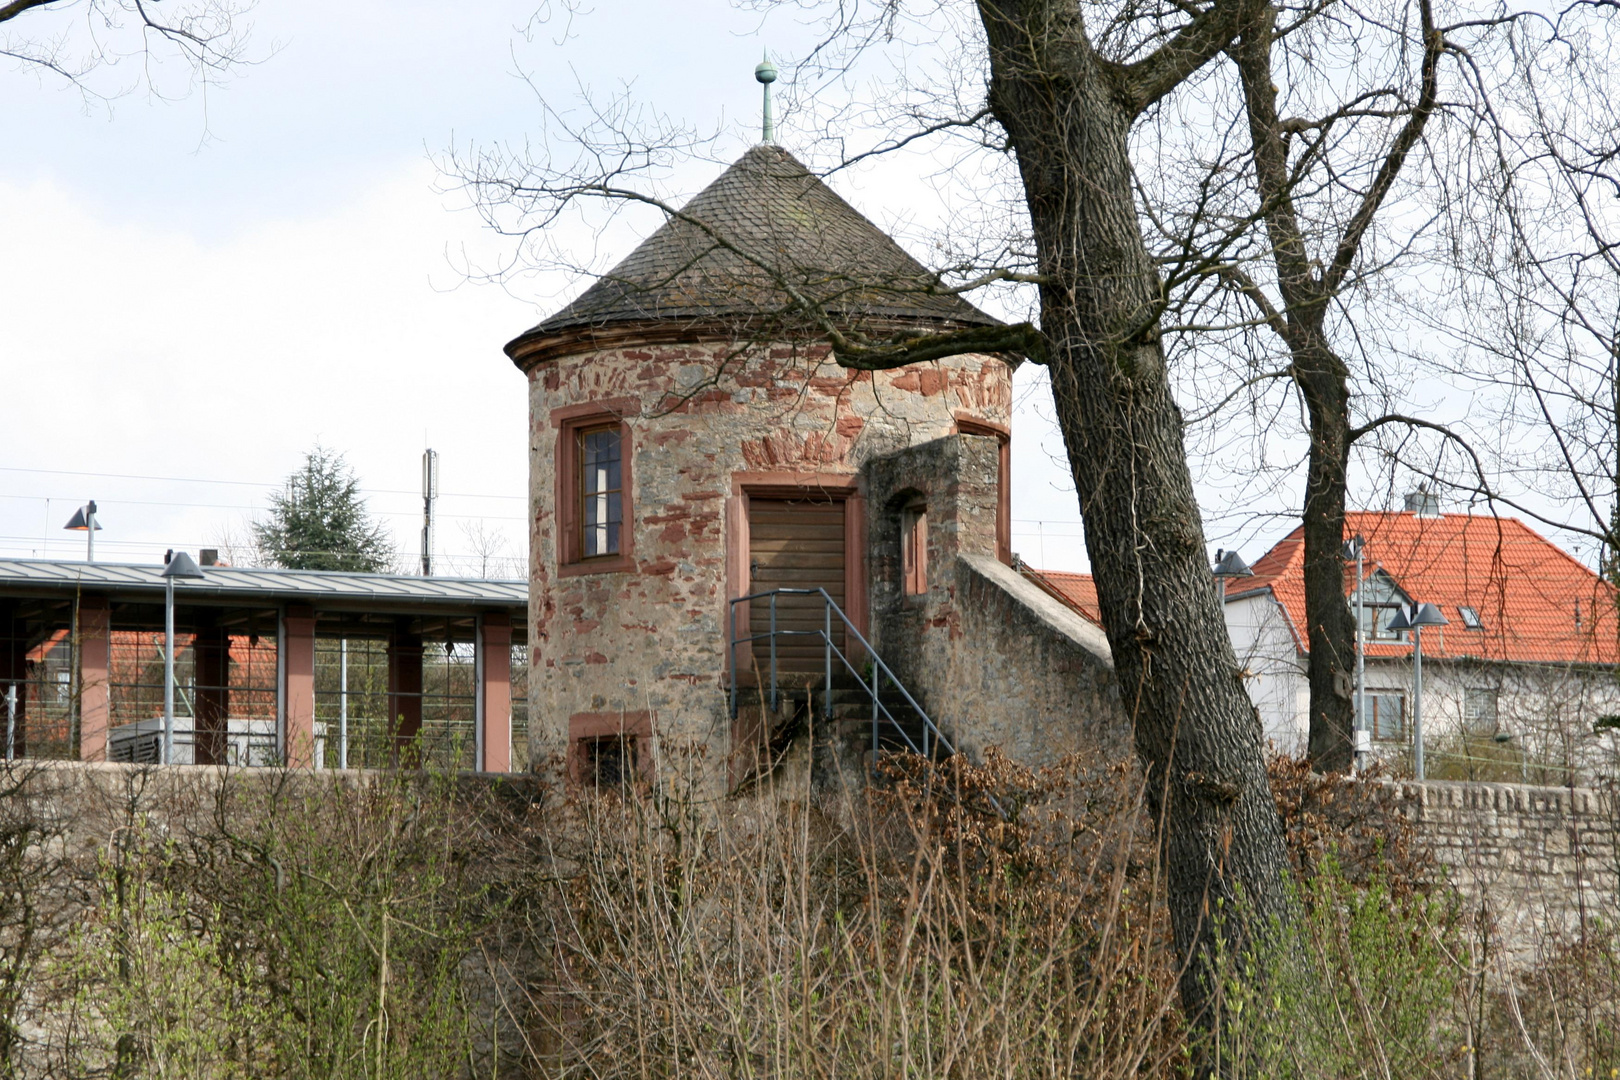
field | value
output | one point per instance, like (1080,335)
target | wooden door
(795,543)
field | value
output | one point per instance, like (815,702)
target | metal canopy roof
(322,588)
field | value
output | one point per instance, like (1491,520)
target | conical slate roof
(767,208)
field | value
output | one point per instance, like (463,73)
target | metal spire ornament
(766,74)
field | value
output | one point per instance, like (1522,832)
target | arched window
(914,548)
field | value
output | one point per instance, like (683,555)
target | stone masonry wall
(993,659)
(702,419)
(1540,857)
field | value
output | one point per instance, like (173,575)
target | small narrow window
(1479,710)
(609,760)
(914,548)
(1384,714)
(601,491)
(1471,619)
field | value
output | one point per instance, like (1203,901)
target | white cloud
(142,350)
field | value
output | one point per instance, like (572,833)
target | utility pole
(430,492)
(1360,741)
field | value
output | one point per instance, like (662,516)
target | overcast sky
(194,292)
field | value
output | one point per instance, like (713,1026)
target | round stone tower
(692,440)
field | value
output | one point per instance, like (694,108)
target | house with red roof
(1525,663)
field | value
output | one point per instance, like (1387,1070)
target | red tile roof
(1538,604)
(1079,591)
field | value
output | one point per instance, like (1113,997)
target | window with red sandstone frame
(593,495)
(601,490)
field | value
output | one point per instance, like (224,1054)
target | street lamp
(84,520)
(1355,549)
(179,565)
(1229,564)
(1422,615)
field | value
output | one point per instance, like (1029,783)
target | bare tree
(1301,175)
(75,40)
(1063,98)
(1537,315)
(1287,154)
(489,551)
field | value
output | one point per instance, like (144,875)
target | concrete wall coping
(1051,612)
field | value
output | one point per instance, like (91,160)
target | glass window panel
(601,495)
(1384,714)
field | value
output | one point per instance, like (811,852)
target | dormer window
(1381,598)
(1470,618)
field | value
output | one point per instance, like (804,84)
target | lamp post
(1355,549)
(84,520)
(180,565)
(1422,615)
(1229,564)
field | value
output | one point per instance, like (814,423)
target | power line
(240,506)
(238,483)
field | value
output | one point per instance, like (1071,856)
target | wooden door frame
(839,487)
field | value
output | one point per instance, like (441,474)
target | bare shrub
(1352,820)
(912,933)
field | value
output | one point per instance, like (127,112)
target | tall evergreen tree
(319,521)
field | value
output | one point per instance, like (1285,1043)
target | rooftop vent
(1423,502)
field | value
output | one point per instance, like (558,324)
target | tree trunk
(1331,628)
(1068,117)
(1323,380)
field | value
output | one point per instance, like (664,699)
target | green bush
(1365,983)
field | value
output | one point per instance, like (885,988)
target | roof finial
(766,74)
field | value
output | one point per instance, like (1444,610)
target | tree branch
(17,7)
(1434,45)
(1020,339)
(1167,67)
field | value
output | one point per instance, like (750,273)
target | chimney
(208,557)
(1423,502)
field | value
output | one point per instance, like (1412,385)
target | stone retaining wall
(1540,857)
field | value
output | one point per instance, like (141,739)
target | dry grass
(913,934)
(964,921)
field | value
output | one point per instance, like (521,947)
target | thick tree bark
(1068,115)
(1331,628)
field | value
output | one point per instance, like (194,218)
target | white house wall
(1275,672)
(1548,710)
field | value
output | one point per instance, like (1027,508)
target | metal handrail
(931,735)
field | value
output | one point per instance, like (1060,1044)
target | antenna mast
(430,492)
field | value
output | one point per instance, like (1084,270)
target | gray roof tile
(771,209)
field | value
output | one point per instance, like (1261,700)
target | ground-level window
(609,750)
(609,760)
(1383,713)
(914,548)
(1479,711)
